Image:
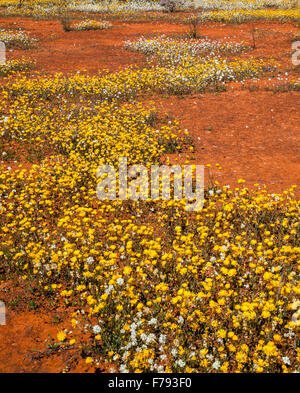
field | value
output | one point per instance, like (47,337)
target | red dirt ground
(25,337)
(254,135)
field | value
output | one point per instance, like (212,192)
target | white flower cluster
(16,39)
(170,51)
(242,4)
(115,6)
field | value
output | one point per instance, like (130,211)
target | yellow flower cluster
(207,291)
(46,8)
(162,289)
(97,133)
(296,84)
(24,3)
(243,4)
(90,24)
(147,10)
(13,66)
(241,15)
(189,75)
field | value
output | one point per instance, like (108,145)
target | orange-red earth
(252,133)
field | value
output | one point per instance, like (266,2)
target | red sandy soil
(60,51)
(253,135)
(25,337)
(23,347)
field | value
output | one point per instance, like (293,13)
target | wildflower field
(147,285)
